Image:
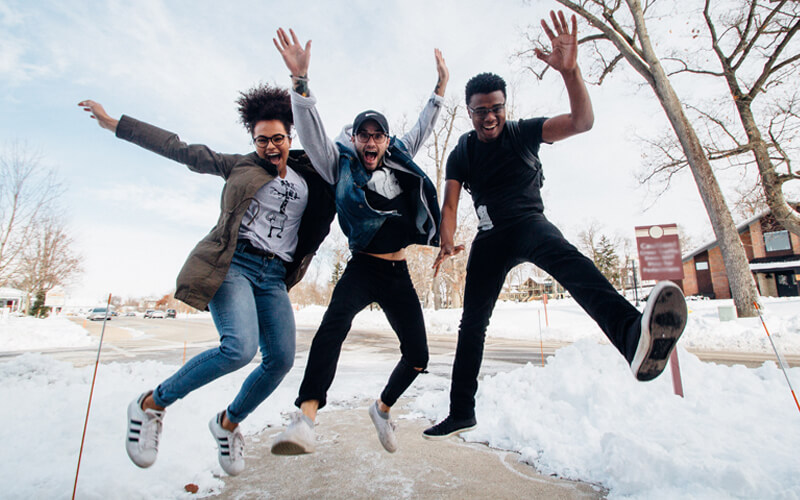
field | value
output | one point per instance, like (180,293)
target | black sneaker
(449,427)
(663,321)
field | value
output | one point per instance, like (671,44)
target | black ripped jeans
(368,279)
(534,240)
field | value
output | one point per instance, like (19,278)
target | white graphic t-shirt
(273,217)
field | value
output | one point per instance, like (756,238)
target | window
(701,266)
(777,241)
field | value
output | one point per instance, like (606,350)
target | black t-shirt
(397,231)
(504,188)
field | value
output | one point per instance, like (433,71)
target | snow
(735,434)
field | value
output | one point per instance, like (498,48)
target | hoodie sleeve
(417,136)
(320,149)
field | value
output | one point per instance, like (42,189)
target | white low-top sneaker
(230,446)
(663,321)
(297,439)
(385,427)
(144,430)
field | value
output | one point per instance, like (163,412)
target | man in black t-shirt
(497,163)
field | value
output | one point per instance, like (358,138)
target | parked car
(98,313)
(158,314)
(171,313)
(148,313)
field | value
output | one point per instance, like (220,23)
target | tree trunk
(740,278)
(770,181)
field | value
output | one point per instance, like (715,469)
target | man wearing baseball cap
(384,203)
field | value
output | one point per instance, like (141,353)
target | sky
(180,65)
(735,434)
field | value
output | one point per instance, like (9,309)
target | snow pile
(32,334)
(734,435)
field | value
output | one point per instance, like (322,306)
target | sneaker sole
(445,436)
(665,326)
(289,448)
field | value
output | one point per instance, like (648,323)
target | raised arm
(197,157)
(563,57)
(417,136)
(321,150)
(452,191)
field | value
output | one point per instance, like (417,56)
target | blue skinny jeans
(251,310)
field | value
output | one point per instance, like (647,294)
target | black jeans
(368,279)
(538,241)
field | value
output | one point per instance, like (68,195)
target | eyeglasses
(263,141)
(363,137)
(484,112)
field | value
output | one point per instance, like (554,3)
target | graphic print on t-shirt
(484,221)
(285,191)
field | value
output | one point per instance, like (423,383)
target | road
(170,340)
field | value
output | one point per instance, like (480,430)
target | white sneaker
(144,430)
(297,439)
(230,446)
(663,321)
(385,428)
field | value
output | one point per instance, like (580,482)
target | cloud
(187,206)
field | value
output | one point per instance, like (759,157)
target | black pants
(538,241)
(368,279)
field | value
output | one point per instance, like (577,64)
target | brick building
(773,253)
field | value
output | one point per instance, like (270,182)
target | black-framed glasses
(484,112)
(263,141)
(363,137)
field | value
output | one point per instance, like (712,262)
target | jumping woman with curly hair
(276,210)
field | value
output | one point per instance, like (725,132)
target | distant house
(11,300)
(773,253)
(533,288)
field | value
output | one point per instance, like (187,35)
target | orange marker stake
(781,362)
(541,345)
(91,391)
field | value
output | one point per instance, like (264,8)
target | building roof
(741,227)
(11,293)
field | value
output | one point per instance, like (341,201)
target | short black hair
(264,102)
(484,83)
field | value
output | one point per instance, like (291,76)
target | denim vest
(360,222)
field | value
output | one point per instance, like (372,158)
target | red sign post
(660,259)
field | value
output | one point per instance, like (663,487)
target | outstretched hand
(99,114)
(294,55)
(444,252)
(442,71)
(564,54)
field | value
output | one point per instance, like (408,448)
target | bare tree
(27,189)
(49,259)
(753,45)
(627,32)
(439,146)
(750,47)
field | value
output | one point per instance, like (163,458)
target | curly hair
(484,83)
(264,102)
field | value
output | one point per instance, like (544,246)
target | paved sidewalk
(350,463)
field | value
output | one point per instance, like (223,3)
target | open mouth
(370,156)
(275,159)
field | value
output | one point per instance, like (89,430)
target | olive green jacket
(244,175)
